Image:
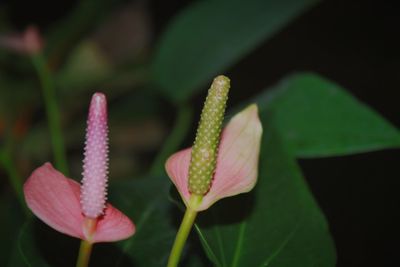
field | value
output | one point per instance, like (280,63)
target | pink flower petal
(55,200)
(237,162)
(177,167)
(29,42)
(113,226)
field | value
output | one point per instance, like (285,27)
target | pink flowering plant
(167,172)
(77,210)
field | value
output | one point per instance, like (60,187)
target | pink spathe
(54,198)
(95,164)
(237,162)
(81,211)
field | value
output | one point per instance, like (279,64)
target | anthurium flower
(29,42)
(236,165)
(78,210)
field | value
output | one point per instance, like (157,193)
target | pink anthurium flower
(29,42)
(78,210)
(237,162)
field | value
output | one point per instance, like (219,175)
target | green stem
(14,178)
(89,227)
(7,161)
(184,230)
(84,254)
(52,111)
(178,133)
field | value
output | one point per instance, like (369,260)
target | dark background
(356,44)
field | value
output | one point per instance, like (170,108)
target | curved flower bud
(80,211)
(237,162)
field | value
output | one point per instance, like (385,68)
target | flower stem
(52,111)
(84,254)
(8,163)
(14,178)
(85,249)
(184,230)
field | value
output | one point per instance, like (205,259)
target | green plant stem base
(86,246)
(184,230)
(84,254)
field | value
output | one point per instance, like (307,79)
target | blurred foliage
(108,46)
(220,32)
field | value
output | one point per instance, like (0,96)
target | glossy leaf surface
(317,117)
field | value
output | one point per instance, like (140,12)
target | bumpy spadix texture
(64,205)
(204,151)
(237,161)
(95,164)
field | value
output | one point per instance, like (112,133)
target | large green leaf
(317,118)
(278,224)
(209,36)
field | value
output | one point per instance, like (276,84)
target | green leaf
(145,200)
(194,260)
(26,252)
(277,224)
(317,118)
(209,36)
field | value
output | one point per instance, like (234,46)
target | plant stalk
(84,254)
(14,178)
(52,112)
(85,249)
(184,230)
